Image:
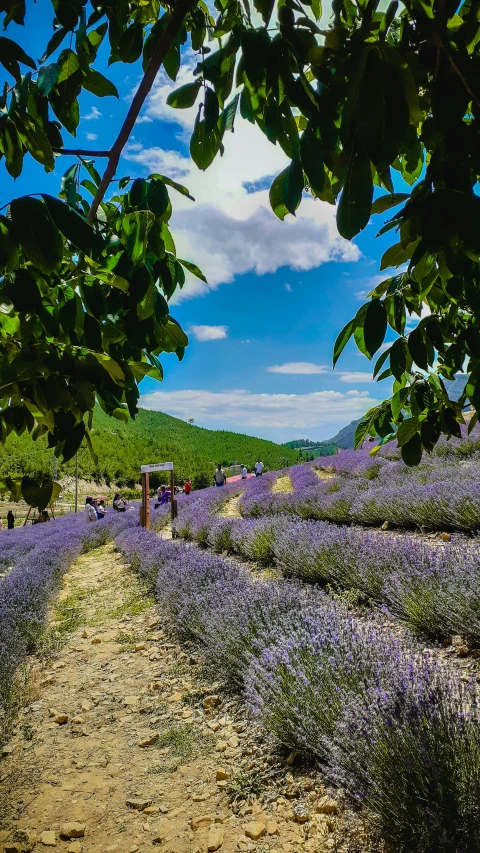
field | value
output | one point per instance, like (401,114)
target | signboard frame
(146,470)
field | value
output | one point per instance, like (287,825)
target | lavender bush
(386,721)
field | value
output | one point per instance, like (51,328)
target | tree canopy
(377,99)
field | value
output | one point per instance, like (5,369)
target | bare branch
(80,152)
(164,42)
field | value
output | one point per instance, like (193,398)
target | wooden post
(28,515)
(145,508)
(172,495)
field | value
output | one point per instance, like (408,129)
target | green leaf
(38,236)
(47,78)
(171,63)
(36,141)
(343,339)
(396,255)
(265,7)
(385,202)
(286,190)
(204,144)
(355,204)
(412,450)
(193,269)
(54,42)
(227,117)
(38,493)
(157,197)
(177,334)
(398,358)
(312,159)
(361,431)
(374,326)
(211,109)
(12,52)
(185,96)
(74,226)
(98,85)
(418,349)
(12,146)
(380,362)
(131,44)
(398,402)
(69,64)
(407,429)
(178,187)
(112,367)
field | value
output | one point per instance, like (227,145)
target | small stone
(8,750)
(249,766)
(73,830)
(272,827)
(221,746)
(222,775)
(463,651)
(139,647)
(130,700)
(151,810)
(301,813)
(60,719)
(446,537)
(48,839)
(85,705)
(233,742)
(84,634)
(200,822)
(215,838)
(385,525)
(45,682)
(148,739)
(138,803)
(326,805)
(291,758)
(158,837)
(255,830)
(12,847)
(78,721)
(96,641)
(74,847)
(211,702)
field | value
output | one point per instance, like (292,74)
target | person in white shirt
(219,477)
(244,472)
(258,468)
(90,512)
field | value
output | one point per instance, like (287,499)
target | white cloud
(288,287)
(241,408)
(298,368)
(92,115)
(91,136)
(209,333)
(144,120)
(353,376)
(229,230)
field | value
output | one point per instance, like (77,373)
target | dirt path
(324,475)
(282,485)
(125,748)
(230,509)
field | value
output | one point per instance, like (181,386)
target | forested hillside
(152,437)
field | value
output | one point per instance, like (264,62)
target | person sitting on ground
(90,512)
(259,466)
(219,477)
(45,515)
(187,488)
(10,520)
(244,472)
(101,509)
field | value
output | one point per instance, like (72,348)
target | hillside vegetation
(152,437)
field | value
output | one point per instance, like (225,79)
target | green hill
(151,437)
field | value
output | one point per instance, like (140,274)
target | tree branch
(80,152)
(160,50)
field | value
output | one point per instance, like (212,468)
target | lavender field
(385,717)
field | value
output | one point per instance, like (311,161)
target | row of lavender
(388,724)
(33,560)
(357,489)
(434,587)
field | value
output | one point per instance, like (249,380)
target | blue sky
(262,333)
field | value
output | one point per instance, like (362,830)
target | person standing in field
(244,472)
(90,511)
(219,477)
(259,466)
(187,488)
(10,520)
